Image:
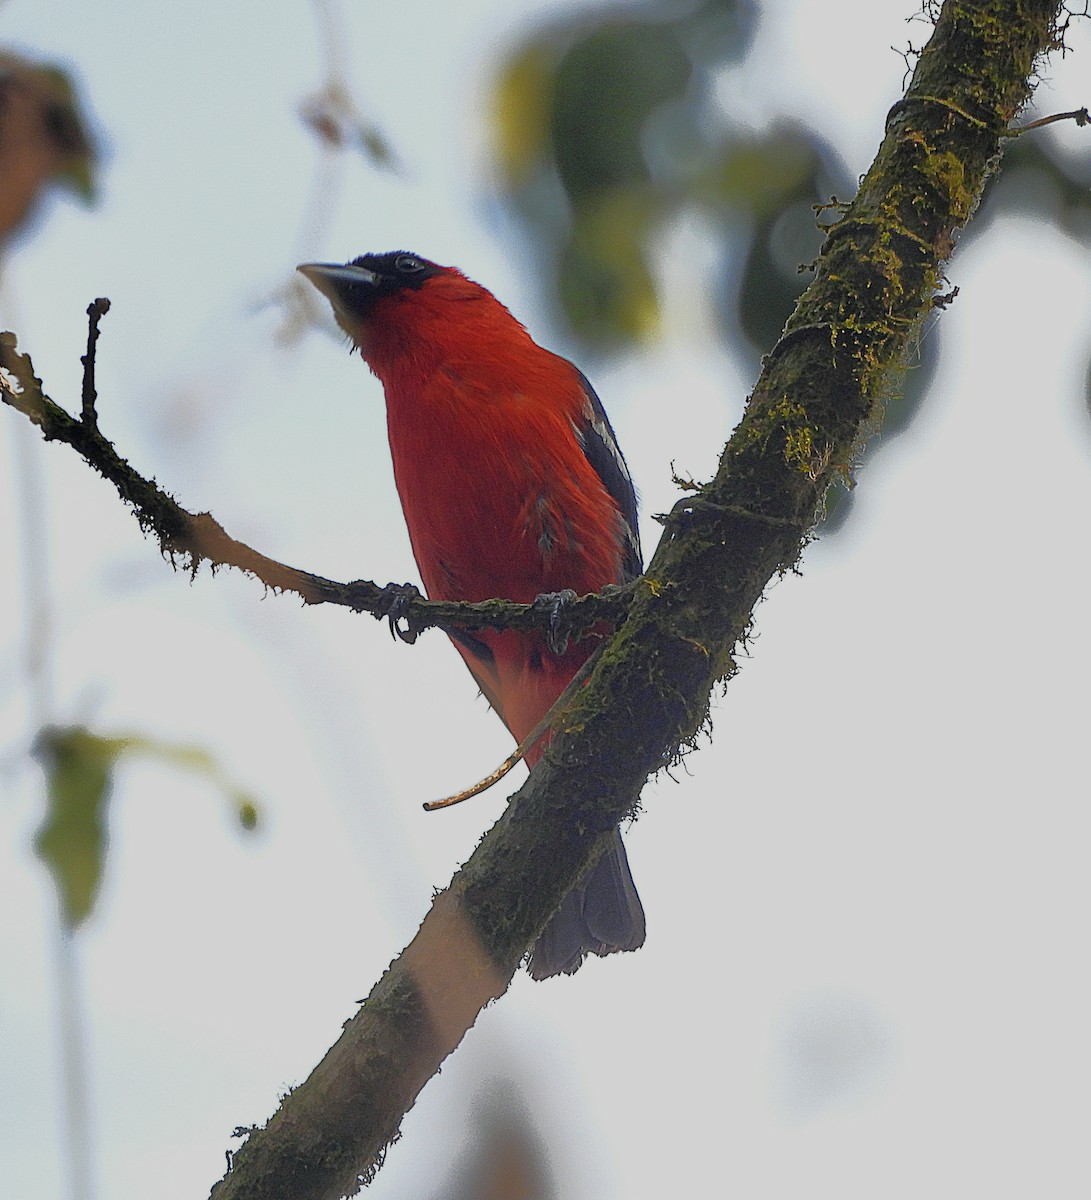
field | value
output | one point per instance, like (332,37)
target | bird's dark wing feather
(603,453)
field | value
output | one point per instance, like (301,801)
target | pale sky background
(867,895)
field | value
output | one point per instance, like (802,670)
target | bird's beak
(351,290)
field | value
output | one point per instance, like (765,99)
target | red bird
(512,485)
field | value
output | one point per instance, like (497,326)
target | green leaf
(759,175)
(606,87)
(72,839)
(519,112)
(606,285)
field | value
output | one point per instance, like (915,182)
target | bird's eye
(407,264)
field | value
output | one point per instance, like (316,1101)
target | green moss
(786,421)
(799,447)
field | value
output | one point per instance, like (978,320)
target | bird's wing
(599,444)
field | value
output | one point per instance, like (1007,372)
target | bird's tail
(601,914)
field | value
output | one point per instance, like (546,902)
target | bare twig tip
(1079,115)
(96,310)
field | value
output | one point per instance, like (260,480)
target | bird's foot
(554,604)
(394,603)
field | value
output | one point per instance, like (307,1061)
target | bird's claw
(554,604)
(394,604)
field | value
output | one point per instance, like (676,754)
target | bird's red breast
(498,494)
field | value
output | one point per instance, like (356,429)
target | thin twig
(1079,115)
(96,310)
(197,538)
(528,743)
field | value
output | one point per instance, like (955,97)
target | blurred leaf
(73,837)
(71,841)
(757,175)
(520,111)
(605,283)
(718,31)
(606,86)
(571,117)
(43,138)
(599,129)
(769,288)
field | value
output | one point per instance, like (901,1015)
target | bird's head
(355,288)
(387,302)
(410,318)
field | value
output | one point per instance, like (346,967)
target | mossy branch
(817,398)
